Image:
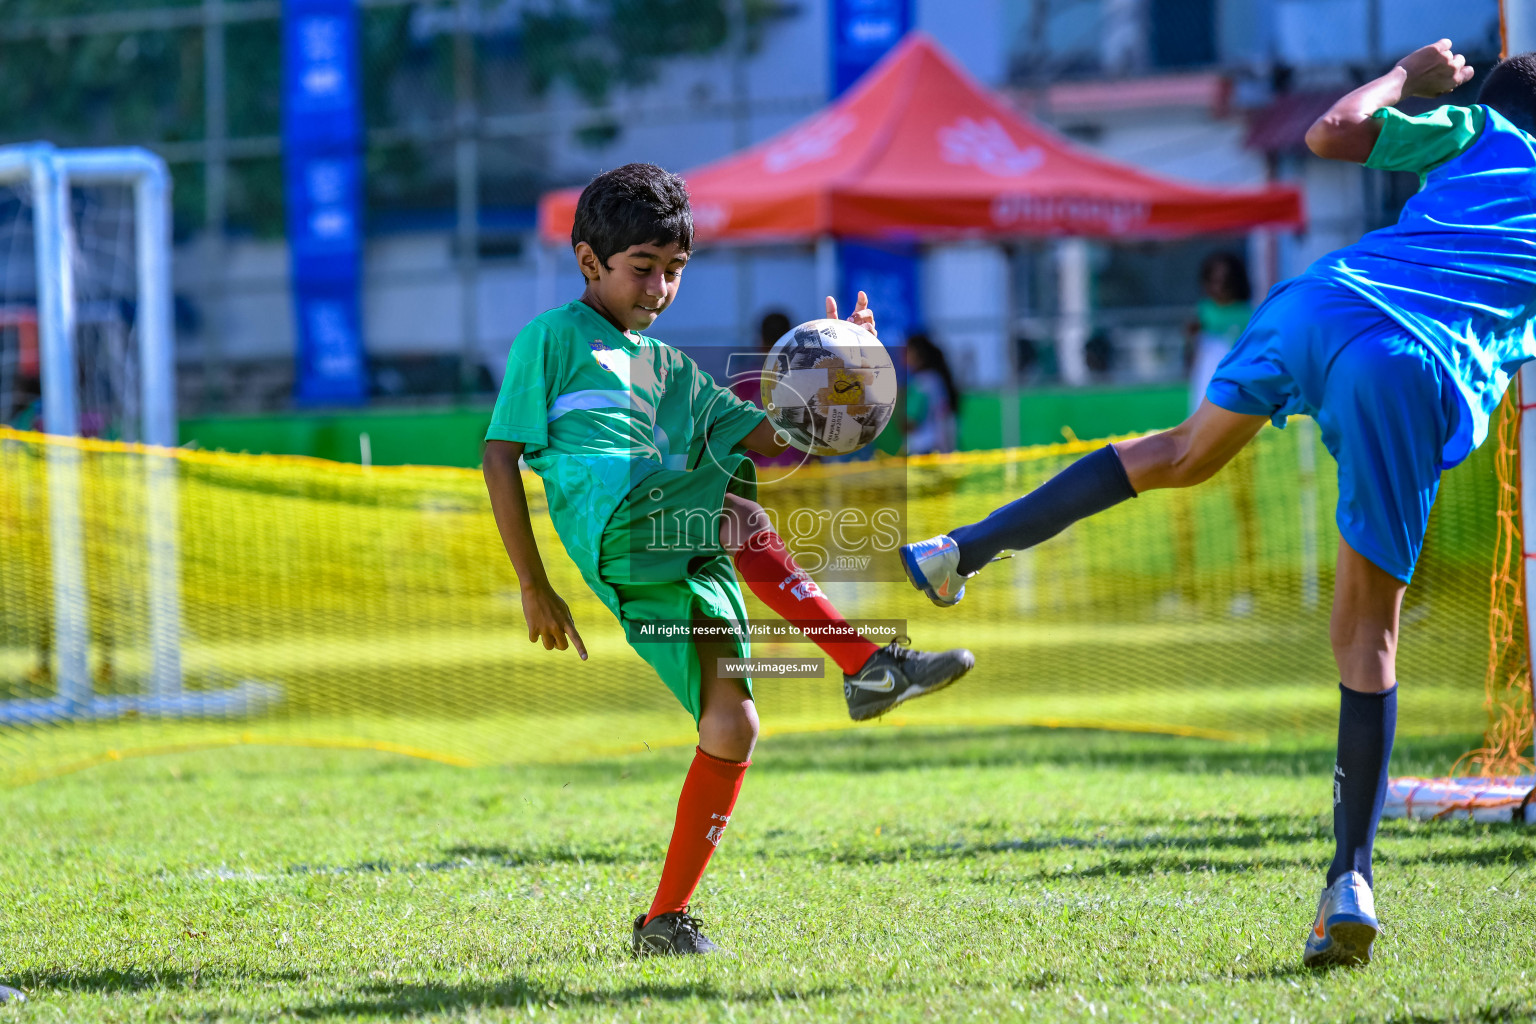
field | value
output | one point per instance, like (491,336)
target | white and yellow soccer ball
(829,387)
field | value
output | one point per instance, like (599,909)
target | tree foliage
(147,87)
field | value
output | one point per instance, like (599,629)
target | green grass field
(879,874)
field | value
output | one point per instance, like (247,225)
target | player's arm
(764,440)
(1349,130)
(548,616)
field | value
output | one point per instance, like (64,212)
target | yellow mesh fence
(339,605)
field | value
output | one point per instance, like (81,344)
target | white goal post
(48,176)
(51,173)
(1518,19)
(1479,798)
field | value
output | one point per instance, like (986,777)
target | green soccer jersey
(599,410)
(1225,320)
(1422,142)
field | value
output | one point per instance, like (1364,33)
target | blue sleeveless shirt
(1458,270)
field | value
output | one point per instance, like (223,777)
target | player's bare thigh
(1191,452)
(740,520)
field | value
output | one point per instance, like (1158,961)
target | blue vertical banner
(863,31)
(888,274)
(323,184)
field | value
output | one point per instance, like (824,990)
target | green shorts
(661,554)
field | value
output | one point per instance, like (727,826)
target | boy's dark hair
(1510,88)
(931,357)
(775,324)
(633,205)
(1237,273)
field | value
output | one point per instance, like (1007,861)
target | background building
(473,108)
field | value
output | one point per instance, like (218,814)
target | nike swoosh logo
(885,683)
(944,588)
(1318,929)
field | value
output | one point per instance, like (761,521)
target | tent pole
(745,334)
(826,268)
(1072,288)
(1010,406)
(1261,262)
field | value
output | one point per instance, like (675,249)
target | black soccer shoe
(896,673)
(11,995)
(675,934)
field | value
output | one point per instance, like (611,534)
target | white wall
(412,297)
(1183,143)
(965,289)
(256,321)
(1335,213)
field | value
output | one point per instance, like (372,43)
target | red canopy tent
(918,150)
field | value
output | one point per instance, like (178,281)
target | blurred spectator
(1036,360)
(775,325)
(933,400)
(1099,353)
(1220,317)
(749,386)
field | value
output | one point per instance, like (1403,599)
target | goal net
(377,604)
(1500,786)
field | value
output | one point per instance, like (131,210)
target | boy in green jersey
(650,490)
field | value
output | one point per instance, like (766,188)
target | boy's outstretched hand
(549,620)
(862,315)
(1349,130)
(1434,69)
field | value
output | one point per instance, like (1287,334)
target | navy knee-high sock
(1367,722)
(1090,485)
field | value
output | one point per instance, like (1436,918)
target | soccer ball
(829,387)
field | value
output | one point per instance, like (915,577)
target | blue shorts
(1385,406)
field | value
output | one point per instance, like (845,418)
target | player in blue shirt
(1400,346)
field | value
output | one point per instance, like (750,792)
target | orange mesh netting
(1507,743)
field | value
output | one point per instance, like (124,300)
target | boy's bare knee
(729,731)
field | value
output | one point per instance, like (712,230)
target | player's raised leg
(1186,455)
(727,733)
(875,679)
(1366,603)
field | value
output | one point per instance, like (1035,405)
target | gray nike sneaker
(675,934)
(11,995)
(896,673)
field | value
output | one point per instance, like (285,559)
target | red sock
(703,810)
(770,571)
